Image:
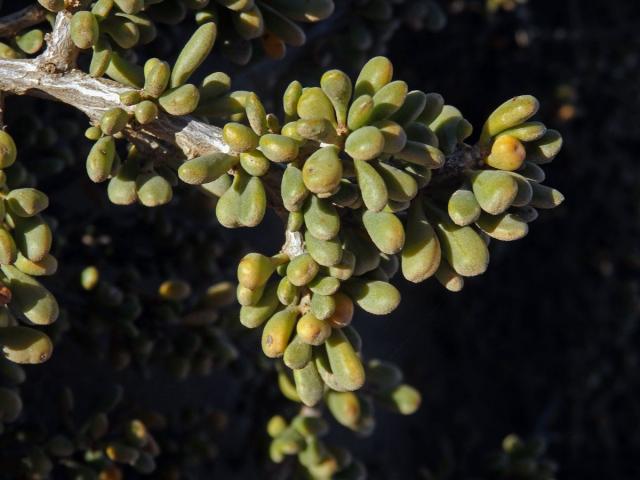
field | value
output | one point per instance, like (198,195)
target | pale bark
(53,75)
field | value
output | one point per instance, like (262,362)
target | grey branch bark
(61,53)
(18,21)
(293,244)
(94,96)
(52,75)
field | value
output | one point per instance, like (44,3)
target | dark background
(546,342)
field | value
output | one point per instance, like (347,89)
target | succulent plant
(370,179)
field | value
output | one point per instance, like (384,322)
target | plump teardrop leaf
(193,53)
(373,296)
(420,256)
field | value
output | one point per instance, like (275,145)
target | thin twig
(14,23)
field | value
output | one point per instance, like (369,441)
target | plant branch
(14,23)
(61,53)
(293,244)
(168,139)
(51,76)
(464,157)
